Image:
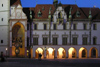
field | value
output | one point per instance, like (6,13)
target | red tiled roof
(44,12)
(94,11)
(16,3)
(46,7)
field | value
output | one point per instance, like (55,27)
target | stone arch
(72,53)
(82,52)
(50,53)
(93,53)
(61,53)
(18,40)
(39,51)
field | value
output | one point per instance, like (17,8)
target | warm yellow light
(40,50)
(27,51)
(6,49)
(70,52)
(80,52)
(60,52)
(50,50)
(50,54)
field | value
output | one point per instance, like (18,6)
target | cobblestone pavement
(25,62)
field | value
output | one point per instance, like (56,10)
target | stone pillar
(33,53)
(77,54)
(10,39)
(66,54)
(45,54)
(25,51)
(10,51)
(55,55)
(87,53)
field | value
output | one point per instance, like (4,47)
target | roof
(44,9)
(16,2)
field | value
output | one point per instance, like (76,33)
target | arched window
(59,15)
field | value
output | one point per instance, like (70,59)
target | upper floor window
(1,19)
(54,27)
(45,41)
(84,40)
(45,26)
(2,5)
(50,8)
(64,40)
(78,13)
(94,40)
(35,41)
(35,26)
(84,26)
(43,8)
(74,27)
(1,41)
(74,40)
(39,14)
(94,27)
(54,40)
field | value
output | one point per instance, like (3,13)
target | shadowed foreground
(25,62)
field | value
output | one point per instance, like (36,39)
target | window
(1,41)
(39,14)
(59,15)
(35,26)
(43,8)
(27,41)
(64,40)
(55,41)
(78,13)
(94,40)
(84,40)
(50,8)
(74,40)
(2,19)
(64,26)
(84,26)
(74,26)
(94,27)
(45,41)
(35,41)
(45,26)
(54,26)
(27,26)
(2,5)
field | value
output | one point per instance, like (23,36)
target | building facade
(54,30)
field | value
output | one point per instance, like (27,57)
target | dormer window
(43,8)
(39,14)
(78,13)
(50,8)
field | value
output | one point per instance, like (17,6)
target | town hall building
(53,30)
